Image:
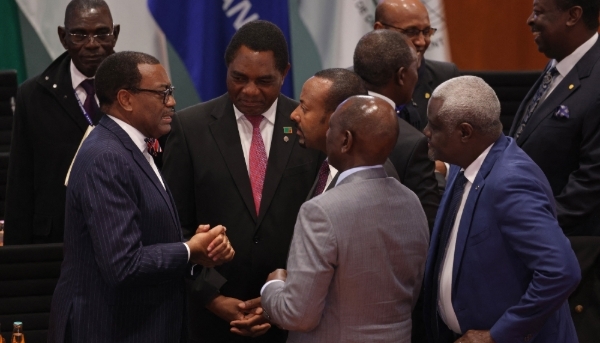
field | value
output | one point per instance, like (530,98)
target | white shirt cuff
(188,250)
(268,283)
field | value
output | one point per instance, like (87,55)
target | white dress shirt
(245,130)
(76,78)
(566,64)
(332,173)
(445,307)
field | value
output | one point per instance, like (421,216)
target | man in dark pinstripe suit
(122,279)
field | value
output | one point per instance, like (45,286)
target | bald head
(362,132)
(407,16)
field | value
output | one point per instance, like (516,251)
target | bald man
(357,256)
(411,18)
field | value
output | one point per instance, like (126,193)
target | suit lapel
(57,81)
(466,220)
(279,155)
(525,103)
(141,161)
(225,133)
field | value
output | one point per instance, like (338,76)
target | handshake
(210,247)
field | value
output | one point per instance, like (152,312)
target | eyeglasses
(413,32)
(166,93)
(82,38)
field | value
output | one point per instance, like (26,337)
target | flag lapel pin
(287,130)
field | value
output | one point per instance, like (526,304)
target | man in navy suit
(122,279)
(559,128)
(499,268)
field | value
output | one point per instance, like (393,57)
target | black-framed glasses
(166,93)
(82,38)
(413,32)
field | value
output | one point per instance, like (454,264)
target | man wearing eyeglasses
(53,111)
(411,18)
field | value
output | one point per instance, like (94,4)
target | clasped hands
(210,247)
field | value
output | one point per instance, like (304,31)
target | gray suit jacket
(355,265)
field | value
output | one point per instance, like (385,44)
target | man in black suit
(558,123)
(411,18)
(388,66)
(53,111)
(235,161)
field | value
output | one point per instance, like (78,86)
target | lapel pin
(477,188)
(571,86)
(427,95)
(287,129)
(46,78)
(285,139)
(54,85)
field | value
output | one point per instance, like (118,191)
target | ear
(62,36)
(378,26)
(116,30)
(466,132)
(125,100)
(575,14)
(348,142)
(400,76)
(284,74)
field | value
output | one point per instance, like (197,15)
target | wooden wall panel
(492,35)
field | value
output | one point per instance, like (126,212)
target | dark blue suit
(122,279)
(513,266)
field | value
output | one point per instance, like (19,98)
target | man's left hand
(254,323)
(476,336)
(278,274)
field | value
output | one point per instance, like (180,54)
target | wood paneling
(492,35)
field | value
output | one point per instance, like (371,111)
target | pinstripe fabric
(355,266)
(122,275)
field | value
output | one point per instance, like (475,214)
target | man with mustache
(558,122)
(236,161)
(53,111)
(122,279)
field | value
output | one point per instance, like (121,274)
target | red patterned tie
(258,161)
(153,146)
(322,180)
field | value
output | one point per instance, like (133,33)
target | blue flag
(200,30)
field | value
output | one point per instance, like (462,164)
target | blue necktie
(449,217)
(546,81)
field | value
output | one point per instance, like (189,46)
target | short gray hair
(469,99)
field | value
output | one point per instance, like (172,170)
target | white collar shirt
(351,171)
(445,307)
(245,130)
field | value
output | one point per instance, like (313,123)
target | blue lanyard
(87,117)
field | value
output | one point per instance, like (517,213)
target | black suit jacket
(568,149)
(205,169)
(431,75)
(48,127)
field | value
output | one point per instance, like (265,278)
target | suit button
(527,338)
(578,308)
(256,240)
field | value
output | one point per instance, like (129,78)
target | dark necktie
(153,146)
(543,89)
(90,105)
(448,223)
(257,161)
(322,178)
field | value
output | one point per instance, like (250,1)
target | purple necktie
(257,161)
(90,105)
(322,178)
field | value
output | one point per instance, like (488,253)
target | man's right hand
(226,308)
(210,247)
(249,320)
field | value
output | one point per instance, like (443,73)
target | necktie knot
(88,86)
(255,120)
(153,146)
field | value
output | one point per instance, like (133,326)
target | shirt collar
(473,168)
(567,63)
(136,136)
(351,171)
(269,114)
(388,100)
(76,76)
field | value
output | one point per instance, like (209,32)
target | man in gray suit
(358,252)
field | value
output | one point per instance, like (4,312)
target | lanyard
(87,116)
